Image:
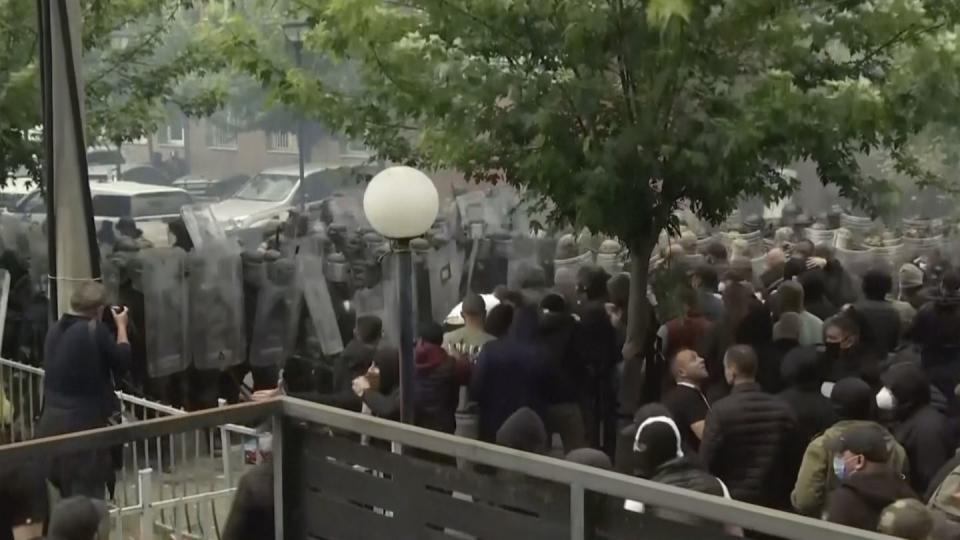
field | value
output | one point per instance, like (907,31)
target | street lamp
(295,32)
(401,203)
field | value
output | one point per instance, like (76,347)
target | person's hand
(360,385)
(121,316)
(816,262)
(373,377)
(265,395)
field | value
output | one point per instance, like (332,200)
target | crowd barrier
(348,476)
(180,485)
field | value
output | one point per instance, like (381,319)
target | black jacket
(923,431)
(559,335)
(771,365)
(883,324)
(686,473)
(935,330)
(861,498)
(814,412)
(251,515)
(81,362)
(353,362)
(750,442)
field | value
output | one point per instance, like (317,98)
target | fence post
(276,454)
(577,512)
(225,449)
(145,485)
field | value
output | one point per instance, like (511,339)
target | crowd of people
(802,388)
(805,389)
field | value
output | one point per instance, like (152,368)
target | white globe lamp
(401,203)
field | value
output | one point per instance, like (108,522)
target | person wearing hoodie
(786,337)
(867,484)
(524,430)
(558,334)
(750,439)
(935,331)
(841,286)
(660,458)
(854,402)
(814,412)
(437,381)
(510,374)
(922,430)
(815,294)
(882,320)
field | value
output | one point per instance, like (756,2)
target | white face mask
(885,399)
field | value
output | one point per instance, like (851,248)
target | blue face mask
(839,467)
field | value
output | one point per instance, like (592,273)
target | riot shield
(165,306)
(39,256)
(445,269)
(381,299)
(202,225)
(316,295)
(523,261)
(278,315)
(217,339)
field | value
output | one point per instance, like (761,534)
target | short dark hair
(877,283)
(845,323)
(593,282)
(795,266)
(791,296)
(716,251)
(431,332)
(369,328)
(499,320)
(804,247)
(743,360)
(474,305)
(690,299)
(708,276)
(553,303)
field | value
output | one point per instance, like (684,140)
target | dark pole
(298,55)
(406,331)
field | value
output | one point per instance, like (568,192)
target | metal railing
(180,484)
(311,440)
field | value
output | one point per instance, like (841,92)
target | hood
(232,210)
(879,489)
(524,431)
(801,366)
(909,385)
(429,356)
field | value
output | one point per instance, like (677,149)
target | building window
(173,132)
(281,142)
(221,132)
(357,149)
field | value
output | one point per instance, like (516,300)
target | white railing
(177,486)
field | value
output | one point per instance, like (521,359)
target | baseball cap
(77,518)
(910,276)
(867,441)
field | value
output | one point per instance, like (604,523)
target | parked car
(211,190)
(272,193)
(129,172)
(15,190)
(152,207)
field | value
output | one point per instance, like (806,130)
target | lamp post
(294,32)
(401,203)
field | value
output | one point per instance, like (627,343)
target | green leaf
(660,12)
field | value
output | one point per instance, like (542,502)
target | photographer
(82,360)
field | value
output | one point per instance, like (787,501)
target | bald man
(773,273)
(686,403)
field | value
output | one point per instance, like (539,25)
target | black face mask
(832,350)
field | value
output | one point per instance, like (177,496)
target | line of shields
(260,296)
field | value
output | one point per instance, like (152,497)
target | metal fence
(181,484)
(405,484)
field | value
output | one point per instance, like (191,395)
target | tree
(140,56)
(619,111)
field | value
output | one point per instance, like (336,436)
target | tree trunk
(638,321)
